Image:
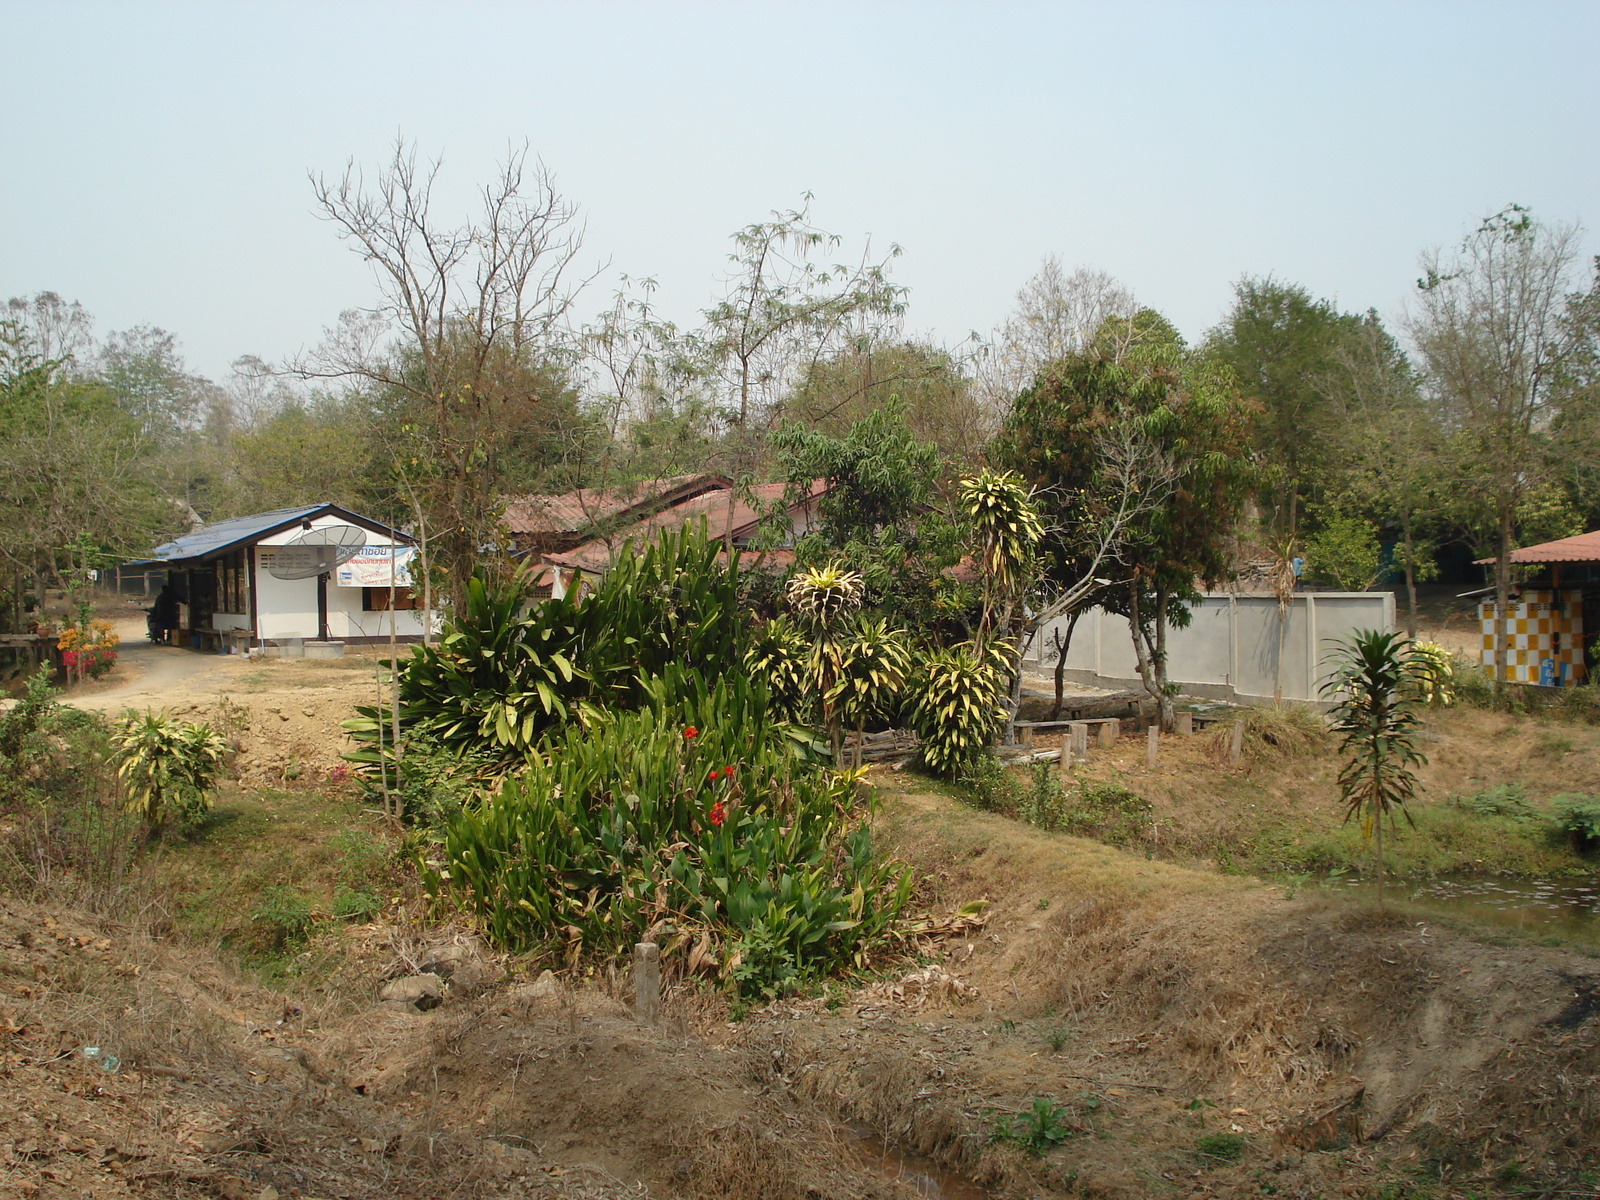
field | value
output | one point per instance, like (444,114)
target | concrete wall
(1229,651)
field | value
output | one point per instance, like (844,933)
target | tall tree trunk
(1062,646)
(1411,574)
(1141,645)
(1169,720)
(1502,590)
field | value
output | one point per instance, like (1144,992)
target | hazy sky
(153,157)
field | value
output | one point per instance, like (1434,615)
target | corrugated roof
(217,536)
(576,510)
(222,535)
(595,554)
(1584,548)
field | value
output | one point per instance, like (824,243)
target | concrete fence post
(1236,745)
(1186,724)
(1152,743)
(1078,731)
(646,982)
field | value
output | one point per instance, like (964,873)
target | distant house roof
(594,555)
(1585,548)
(220,537)
(574,511)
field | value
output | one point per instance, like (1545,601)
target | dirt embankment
(1167,1012)
(283,715)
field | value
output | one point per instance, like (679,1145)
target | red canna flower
(691,732)
(713,777)
(717,813)
(728,771)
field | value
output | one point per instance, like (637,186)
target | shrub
(1038,1130)
(955,708)
(355,904)
(696,813)
(283,917)
(508,673)
(168,767)
(1108,812)
(1578,818)
(65,834)
(989,785)
(1504,800)
(777,656)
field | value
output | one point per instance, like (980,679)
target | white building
(255,580)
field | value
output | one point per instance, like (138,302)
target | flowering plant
(89,650)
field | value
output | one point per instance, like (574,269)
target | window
(376,599)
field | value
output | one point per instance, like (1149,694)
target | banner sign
(370,567)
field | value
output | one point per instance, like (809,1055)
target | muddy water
(925,1177)
(1569,909)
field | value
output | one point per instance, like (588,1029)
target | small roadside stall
(1552,623)
(319,574)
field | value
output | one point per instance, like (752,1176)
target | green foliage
(955,708)
(355,904)
(989,785)
(282,917)
(874,665)
(1376,673)
(779,656)
(1503,800)
(636,822)
(1578,818)
(1107,811)
(1438,685)
(169,768)
(1220,1147)
(879,476)
(1038,1130)
(1345,553)
(506,673)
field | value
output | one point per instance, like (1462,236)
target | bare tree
(1056,314)
(1488,323)
(781,312)
(468,316)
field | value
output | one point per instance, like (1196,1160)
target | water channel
(1568,909)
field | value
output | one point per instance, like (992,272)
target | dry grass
(1273,735)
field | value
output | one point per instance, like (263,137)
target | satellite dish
(316,552)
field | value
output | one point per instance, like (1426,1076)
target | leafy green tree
(1376,679)
(1280,344)
(1390,452)
(1345,553)
(1143,448)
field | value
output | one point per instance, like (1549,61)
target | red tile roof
(1584,548)
(576,510)
(595,554)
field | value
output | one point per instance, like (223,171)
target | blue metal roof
(221,536)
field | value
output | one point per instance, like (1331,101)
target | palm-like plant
(820,596)
(779,656)
(1008,529)
(1377,677)
(955,707)
(823,597)
(875,664)
(168,767)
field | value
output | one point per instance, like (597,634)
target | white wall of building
(1230,648)
(287,608)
